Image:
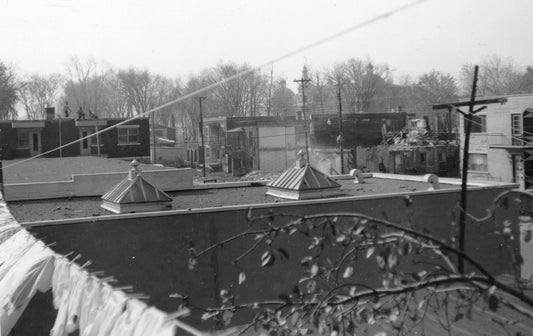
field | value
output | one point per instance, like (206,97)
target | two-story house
(501,141)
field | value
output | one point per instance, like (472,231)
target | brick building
(25,138)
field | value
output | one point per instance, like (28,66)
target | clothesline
(84,301)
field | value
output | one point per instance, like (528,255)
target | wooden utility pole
(201,128)
(153,139)
(303,82)
(468,129)
(468,116)
(340,138)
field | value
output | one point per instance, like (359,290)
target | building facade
(501,142)
(25,138)
(243,144)
(270,144)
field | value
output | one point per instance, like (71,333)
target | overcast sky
(180,37)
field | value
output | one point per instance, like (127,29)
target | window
(479,124)
(128,135)
(516,125)
(23,136)
(478,162)
(422,157)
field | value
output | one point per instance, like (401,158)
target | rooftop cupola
(302,181)
(135,194)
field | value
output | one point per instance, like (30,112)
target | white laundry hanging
(32,272)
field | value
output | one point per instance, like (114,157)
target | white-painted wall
(499,160)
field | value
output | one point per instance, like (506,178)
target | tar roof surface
(55,169)
(30,211)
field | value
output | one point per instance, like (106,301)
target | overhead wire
(294,52)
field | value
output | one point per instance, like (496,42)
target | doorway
(85,147)
(35,143)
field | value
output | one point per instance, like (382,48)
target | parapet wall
(149,251)
(96,184)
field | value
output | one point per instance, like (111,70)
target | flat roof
(63,208)
(45,169)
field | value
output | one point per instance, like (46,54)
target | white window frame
(516,125)
(128,128)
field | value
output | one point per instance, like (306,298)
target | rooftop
(212,196)
(61,169)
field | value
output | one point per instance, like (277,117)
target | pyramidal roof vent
(302,181)
(135,194)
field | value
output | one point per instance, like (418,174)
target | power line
(294,52)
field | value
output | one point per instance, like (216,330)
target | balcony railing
(498,140)
(504,140)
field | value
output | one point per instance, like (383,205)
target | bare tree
(8,92)
(431,88)
(268,103)
(242,96)
(85,85)
(115,102)
(38,92)
(526,83)
(365,79)
(138,88)
(496,76)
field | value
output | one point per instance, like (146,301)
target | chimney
(134,171)
(300,162)
(50,112)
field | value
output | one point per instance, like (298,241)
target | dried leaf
(305,261)
(369,252)
(381,262)
(267,259)
(392,260)
(249,214)
(347,272)
(341,238)
(314,270)
(242,277)
(191,263)
(208,315)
